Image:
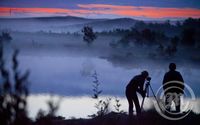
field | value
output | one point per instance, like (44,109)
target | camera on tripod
(147,86)
(148,79)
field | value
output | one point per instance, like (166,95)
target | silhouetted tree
(49,117)
(188,37)
(102,106)
(13,93)
(191,32)
(89,35)
(53,106)
(191,23)
(178,24)
(140,25)
(5,36)
(148,35)
(174,41)
(167,23)
(96,84)
(137,35)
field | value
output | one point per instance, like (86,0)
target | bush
(13,93)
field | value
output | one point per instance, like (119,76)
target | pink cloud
(149,12)
(106,9)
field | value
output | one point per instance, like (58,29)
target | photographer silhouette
(136,85)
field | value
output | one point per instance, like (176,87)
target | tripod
(147,92)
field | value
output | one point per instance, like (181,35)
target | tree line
(186,33)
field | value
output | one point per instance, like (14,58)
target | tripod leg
(146,90)
(155,97)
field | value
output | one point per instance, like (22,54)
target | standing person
(173,85)
(136,85)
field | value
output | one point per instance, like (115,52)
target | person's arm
(181,80)
(141,88)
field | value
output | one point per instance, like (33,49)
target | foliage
(96,84)
(53,106)
(102,106)
(118,105)
(188,37)
(13,92)
(48,117)
(148,35)
(169,50)
(143,37)
(5,36)
(89,35)
(154,33)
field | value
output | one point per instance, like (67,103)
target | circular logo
(174,100)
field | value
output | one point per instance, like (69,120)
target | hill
(63,24)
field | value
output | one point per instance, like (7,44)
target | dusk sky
(140,9)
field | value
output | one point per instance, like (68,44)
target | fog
(62,24)
(63,64)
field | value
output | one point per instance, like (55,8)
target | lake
(64,68)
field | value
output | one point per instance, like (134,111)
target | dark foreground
(147,118)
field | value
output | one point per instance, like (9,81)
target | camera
(148,78)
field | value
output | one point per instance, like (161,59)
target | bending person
(136,85)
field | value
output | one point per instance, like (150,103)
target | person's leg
(137,104)
(130,102)
(177,102)
(168,101)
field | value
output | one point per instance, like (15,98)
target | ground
(147,118)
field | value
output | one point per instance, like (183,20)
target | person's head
(172,66)
(145,74)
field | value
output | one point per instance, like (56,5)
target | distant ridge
(46,18)
(65,24)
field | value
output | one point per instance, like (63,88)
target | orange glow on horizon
(103,6)
(150,12)
(105,9)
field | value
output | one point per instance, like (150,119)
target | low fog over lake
(61,63)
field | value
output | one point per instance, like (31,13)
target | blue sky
(72,3)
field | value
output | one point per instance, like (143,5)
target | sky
(142,9)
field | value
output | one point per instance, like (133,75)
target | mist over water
(71,75)
(68,74)
(62,64)
(67,70)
